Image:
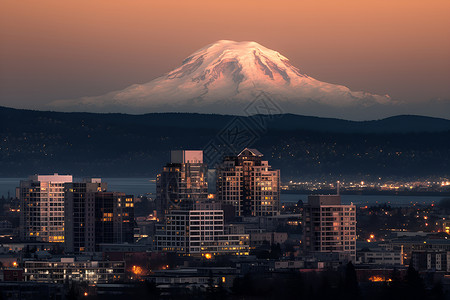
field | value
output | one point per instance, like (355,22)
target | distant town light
(137,270)
(377,278)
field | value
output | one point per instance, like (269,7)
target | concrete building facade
(42,207)
(114,218)
(248,183)
(80,215)
(181,182)
(199,231)
(69,269)
(431,260)
(329,226)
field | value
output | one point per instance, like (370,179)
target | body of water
(370,200)
(142,186)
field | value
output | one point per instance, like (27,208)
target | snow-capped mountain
(225,77)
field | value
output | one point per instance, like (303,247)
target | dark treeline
(118,145)
(336,285)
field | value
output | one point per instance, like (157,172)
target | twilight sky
(52,50)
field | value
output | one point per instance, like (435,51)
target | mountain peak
(239,62)
(224,77)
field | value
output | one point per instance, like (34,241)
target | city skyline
(62,231)
(241,149)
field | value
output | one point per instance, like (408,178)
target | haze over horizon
(66,50)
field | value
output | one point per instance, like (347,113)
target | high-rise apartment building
(199,231)
(248,183)
(181,182)
(42,207)
(80,215)
(114,218)
(329,226)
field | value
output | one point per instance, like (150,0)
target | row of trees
(337,285)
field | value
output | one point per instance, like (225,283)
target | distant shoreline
(366,193)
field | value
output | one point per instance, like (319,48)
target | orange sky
(65,49)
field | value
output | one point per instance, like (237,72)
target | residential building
(80,215)
(184,277)
(289,265)
(329,226)
(431,260)
(42,207)
(199,231)
(181,182)
(69,269)
(114,218)
(380,257)
(248,184)
(416,243)
(11,274)
(271,238)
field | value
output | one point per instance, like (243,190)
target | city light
(137,270)
(164,192)
(378,278)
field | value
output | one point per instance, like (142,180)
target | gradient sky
(53,50)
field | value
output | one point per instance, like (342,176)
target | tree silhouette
(415,288)
(351,287)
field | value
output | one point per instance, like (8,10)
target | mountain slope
(225,77)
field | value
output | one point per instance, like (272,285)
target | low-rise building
(194,276)
(380,257)
(416,243)
(431,260)
(11,274)
(289,264)
(68,269)
(259,238)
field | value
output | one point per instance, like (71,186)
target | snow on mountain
(224,77)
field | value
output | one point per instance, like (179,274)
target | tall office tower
(114,218)
(42,207)
(248,183)
(329,226)
(199,231)
(182,182)
(80,215)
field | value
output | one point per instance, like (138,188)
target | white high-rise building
(329,226)
(199,231)
(42,207)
